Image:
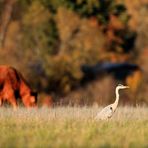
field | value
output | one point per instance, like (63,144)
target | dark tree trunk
(5,19)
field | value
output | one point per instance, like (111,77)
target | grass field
(73,127)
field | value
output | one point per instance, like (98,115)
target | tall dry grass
(73,127)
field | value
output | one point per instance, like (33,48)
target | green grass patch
(71,127)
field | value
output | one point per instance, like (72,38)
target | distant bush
(49,41)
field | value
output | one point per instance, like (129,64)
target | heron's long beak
(127,87)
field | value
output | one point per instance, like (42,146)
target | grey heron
(108,111)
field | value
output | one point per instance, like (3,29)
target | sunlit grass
(73,127)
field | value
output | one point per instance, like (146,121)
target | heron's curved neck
(117,97)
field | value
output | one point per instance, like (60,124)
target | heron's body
(108,111)
(105,113)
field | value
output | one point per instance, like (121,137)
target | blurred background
(77,51)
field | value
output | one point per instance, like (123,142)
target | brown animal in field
(14,86)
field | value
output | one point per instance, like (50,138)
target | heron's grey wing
(110,112)
(105,113)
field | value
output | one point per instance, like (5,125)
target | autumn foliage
(49,41)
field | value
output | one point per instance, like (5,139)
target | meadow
(73,127)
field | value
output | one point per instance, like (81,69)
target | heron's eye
(111,108)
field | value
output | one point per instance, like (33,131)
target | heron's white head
(120,86)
